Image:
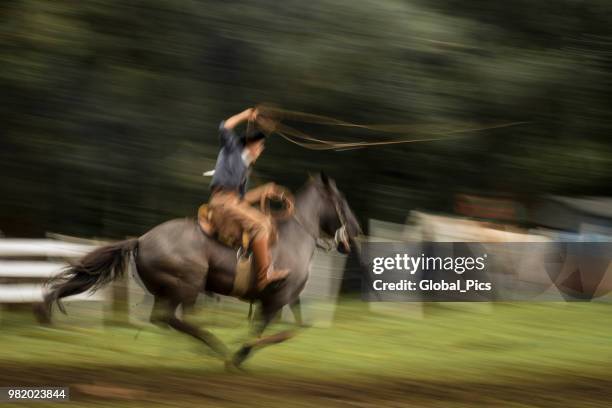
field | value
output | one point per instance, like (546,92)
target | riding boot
(263,264)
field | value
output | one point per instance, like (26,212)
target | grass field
(503,355)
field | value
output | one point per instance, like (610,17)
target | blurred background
(110,111)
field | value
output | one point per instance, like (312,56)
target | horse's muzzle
(341,238)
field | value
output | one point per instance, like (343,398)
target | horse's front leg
(296,310)
(267,316)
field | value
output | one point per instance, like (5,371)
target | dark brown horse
(176,261)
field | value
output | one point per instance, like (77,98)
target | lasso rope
(304,140)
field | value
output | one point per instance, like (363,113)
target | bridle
(340,235)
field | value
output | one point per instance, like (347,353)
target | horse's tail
(96,269)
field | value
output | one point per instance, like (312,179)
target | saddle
(237,240)
(244,279)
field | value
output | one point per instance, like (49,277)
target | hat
(254,136)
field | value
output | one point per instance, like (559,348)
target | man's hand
(237,119)
(254,114)
(269,190)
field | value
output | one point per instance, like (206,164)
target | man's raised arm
(238,118)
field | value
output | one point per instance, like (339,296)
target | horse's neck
(307,209)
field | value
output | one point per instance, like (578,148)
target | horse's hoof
(241,355)
(232,367)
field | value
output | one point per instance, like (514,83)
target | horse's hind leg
(183,326)
(159,313)
(42,312)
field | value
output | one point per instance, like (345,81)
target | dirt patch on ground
(174,387)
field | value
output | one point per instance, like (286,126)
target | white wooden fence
(25,264)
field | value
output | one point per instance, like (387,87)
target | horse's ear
(324,179)
(328,183)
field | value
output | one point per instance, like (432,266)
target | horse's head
(336,217)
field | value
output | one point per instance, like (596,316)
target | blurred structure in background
(582,215)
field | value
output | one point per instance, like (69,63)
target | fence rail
(42,248)
(31,262)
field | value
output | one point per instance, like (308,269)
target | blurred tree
(110,108)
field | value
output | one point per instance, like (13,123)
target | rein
(319,242)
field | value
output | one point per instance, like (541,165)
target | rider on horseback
(231,204)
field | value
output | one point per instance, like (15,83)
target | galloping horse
(176,261)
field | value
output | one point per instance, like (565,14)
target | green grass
(544,354)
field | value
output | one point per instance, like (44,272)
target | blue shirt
(231,172)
